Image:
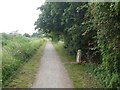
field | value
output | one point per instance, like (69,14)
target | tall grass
(16,50)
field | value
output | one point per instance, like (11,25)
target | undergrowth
(16,50)
(82,75)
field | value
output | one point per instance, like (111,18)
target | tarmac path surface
(51,73)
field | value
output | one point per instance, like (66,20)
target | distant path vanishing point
(52,73)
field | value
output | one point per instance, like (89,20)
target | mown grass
(81,74)
(26,75)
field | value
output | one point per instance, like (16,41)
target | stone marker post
(78,57)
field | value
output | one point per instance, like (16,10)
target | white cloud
(19,15)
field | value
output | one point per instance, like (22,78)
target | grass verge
(26,76)
(81,75)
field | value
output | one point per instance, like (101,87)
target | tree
(26,35)
(92,27)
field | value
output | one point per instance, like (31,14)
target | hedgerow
(92,27)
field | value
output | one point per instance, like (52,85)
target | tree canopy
(92,27)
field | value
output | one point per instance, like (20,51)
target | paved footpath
(52,73)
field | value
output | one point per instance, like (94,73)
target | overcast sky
(19,15)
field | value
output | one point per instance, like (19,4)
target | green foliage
(38,34)
(9,70)
(26,35)
(106,21)
(26,75)
(92,27)
(82,75)
(16,51)
(70,22)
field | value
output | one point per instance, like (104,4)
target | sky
(19,15)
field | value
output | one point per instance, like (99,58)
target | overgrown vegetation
(16,50)
(82,75)
(27,74)
(92,27)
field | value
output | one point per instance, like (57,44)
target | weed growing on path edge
(82,75)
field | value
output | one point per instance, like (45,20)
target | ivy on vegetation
(92,27)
